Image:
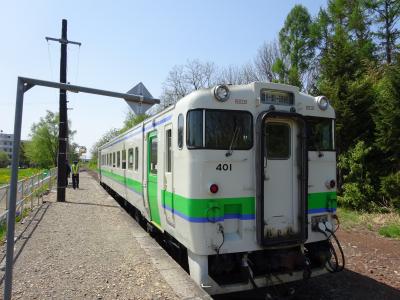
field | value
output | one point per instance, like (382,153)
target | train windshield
(223,129)
(320,134)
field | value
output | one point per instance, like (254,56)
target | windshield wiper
(233,141)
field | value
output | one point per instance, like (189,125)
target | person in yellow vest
(75,174)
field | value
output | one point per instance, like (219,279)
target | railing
(28,190)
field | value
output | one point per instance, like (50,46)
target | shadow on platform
(344,285)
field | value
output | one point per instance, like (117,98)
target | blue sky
(123,42)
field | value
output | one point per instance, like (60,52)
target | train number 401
(224,167)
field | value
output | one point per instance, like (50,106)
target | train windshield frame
(320,134)
(219,129)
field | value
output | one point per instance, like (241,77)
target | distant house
(6,143)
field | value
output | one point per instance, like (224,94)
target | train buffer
(89,248)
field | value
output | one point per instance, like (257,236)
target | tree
(23,159)
(106,137)
(184,79)
(343,75)
(131,120)
(387,116)
(386,14)
(266,58)
(4,159)
(297,44)
(43,148)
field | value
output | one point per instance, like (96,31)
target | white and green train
(242,177)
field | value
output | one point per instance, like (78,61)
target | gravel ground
(89,248)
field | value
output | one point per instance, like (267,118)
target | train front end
(263,173)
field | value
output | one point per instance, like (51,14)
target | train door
(167,192)
(280,184)
(152,177)
(281,199)
(124,173)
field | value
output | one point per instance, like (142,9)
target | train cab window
(223,129)
(320,134)
(136,158)
(180,131)
(169,150)
(130,159)
(194,130)
(124,159)
(228,130)
(153,157)
(118,159)
(277,139)
(113,159)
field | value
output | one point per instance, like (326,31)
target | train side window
(194,129)
(118,159)
(153,156)
(130,159)
(180,131)
(169,150)
(124,159)
(136,158)
(109,159)
(113,159)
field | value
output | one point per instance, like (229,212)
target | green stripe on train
(322,200)
(218,207)
(128,182)
(209,208)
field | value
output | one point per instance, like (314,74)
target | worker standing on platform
(68,167)
(75,174)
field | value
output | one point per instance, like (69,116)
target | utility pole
(63,125)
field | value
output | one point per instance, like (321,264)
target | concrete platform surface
(90,248)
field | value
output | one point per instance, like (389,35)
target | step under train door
(281,166)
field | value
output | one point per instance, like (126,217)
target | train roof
(242,97)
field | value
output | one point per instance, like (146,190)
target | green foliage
(390,190)
(5,174)
(43,147)
(4,159)
(106,137)
(131,120)
(391,231)
(358,191)
(385,14)
(297,44)
(387,113)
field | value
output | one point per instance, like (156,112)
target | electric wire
(337,267)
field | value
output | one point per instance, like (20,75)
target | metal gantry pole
(24,84)
(63,126)
(13,190)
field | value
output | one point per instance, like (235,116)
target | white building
(6,143)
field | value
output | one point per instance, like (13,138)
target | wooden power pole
(63,125)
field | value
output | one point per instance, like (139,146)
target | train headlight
(330,184)
(322,102)
(221,93)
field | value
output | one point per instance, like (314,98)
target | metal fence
(29,192)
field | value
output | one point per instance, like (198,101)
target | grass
(5,174)
(386,224)
(391,231)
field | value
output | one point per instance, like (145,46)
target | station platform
(89,248)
